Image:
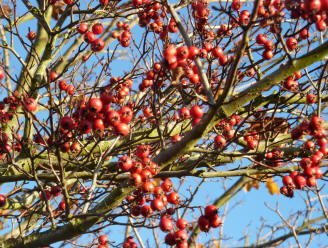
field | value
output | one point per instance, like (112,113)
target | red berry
(184,113)
(85,127)
(180,236)
(2,74)
(157,204)
(143,151)
(31,35)
(95,105)
(147,187)
(66,123)
(304,34)
(196,112)
(309,171)
(261,39)
(316,121)
(181,224)
(312,6)
(135,179)
(317,172)
(215,221)
(291,43)
(193,52)
(167,185)
(170,239)
(98,45)
(311,181)
(300,181)
(305,162)
(69,2)
(83,28)
(125,163)
(311,98)
(63,85)
(252,144)
(236,5)
(97,28)
(173,198)
(146,211)
(122,128)
(30,104)
(55,190)
(102,239)
(321,25)
(98,124)
(165,224)
(268,45)
(287,180)
(210,211)
(89,37)
(217,52)
(223,60)
(53,76)
(126,114)
(219,141)
(204,223)
(287,191)
(182,52)
(268,54)
(103,2)
(309,145)
(170,51)
(3,200)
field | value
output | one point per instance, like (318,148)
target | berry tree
(107,107)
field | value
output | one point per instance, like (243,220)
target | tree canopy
(107,107)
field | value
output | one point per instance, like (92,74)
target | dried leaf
(252,184)
(57,9)
(256,184)
(276,124)
(157,181)
(5,11)
(177,74)
(248,187)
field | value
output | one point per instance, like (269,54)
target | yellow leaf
(272,187)
(216,244)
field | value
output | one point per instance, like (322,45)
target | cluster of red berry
(129,243)
(63,85)
(97,115)
(90,37)
(103,241)
(179,236)
(209,219)
(314,11)
(310,165)
(125,36)
(200,14)
(268,45)
(225,128)
(291,84)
